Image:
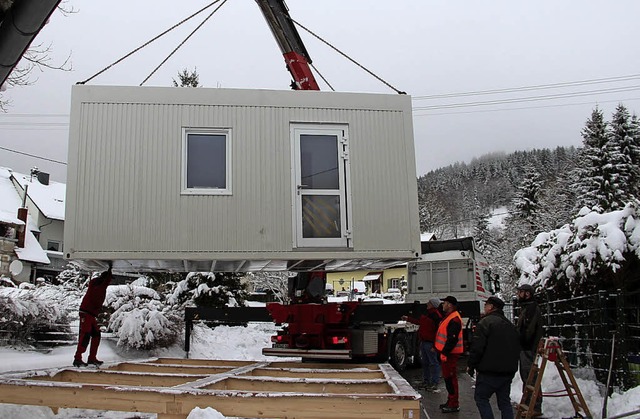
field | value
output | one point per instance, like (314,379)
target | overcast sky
(423,47)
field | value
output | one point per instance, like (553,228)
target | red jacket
(93,299)
(428,324)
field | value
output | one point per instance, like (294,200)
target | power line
(560,105)
(528,99)
(33,155)
(529,88)
(33,115)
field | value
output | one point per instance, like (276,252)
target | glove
(443,358)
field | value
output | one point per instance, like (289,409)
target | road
(430,401)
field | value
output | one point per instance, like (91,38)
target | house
(167,179)
(21,251)
(377,282)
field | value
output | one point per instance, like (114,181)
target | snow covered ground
(240,343)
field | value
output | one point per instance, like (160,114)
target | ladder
(549,349)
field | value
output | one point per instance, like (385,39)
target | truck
(370,330)
(452,267)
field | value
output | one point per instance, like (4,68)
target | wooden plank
(303,386)
(311,373)
(122,379)
(169,368)
(301,406)
(324,365)
(201,362)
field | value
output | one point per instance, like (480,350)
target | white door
(321,173)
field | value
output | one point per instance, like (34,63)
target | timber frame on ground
(172,387)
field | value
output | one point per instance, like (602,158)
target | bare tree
(274,282)
(36,57)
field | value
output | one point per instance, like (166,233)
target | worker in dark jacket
(90,307)
(449,347)
(494,354)
(529,326)
(427,333)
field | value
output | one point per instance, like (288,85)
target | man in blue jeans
(494,354)
(427,333)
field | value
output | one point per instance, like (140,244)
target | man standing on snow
(494,353)
(427,333)
(89,309)
(449,346)
(529,327)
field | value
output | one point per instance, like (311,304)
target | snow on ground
(246,343)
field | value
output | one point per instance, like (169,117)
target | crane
(296,57)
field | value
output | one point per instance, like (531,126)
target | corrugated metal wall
(125,168)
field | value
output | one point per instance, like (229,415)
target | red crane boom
(295,54)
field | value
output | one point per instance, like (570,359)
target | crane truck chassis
(366,330)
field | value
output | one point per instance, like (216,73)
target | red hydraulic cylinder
(299,69)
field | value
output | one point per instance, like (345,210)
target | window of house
(54,246)
(206,161)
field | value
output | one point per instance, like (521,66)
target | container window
(207,162)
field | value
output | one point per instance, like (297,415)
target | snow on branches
(586,251)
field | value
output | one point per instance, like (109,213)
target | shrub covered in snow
(26,313)
(590,253)
(139,319)
(208,289)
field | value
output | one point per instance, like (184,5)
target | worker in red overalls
(90,307)
(449,345)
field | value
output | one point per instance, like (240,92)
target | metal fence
(586,327)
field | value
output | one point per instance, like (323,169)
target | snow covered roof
(32,251)
(9,199)
(48,198)
(425,237)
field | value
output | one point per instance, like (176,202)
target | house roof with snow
(48,198)
(10,201)
(425,237)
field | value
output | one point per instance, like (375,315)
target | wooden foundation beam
(247,390)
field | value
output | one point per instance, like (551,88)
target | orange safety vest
(441,334)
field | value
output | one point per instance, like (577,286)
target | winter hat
(451,299)
(527,288)
(496,302)
(435,302)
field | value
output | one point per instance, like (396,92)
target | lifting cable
(185,40)
(322,77)
(148,42)
(348,58)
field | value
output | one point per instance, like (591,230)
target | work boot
(79,363)
(449,409)
(95,362)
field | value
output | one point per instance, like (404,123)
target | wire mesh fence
(586,327)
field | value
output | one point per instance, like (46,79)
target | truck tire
(399,353)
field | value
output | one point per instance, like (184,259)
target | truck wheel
(399,355)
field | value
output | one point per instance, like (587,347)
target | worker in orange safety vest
(449,346)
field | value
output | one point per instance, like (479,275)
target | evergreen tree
(591,186)
(209,289)
(618,171)
(187,79)
(526,203)
(624,134)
